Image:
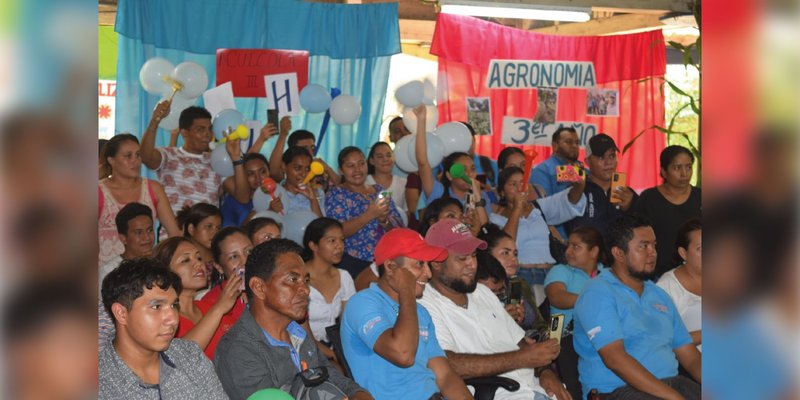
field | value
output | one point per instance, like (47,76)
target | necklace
(465,305)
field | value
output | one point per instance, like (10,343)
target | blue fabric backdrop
(350,47)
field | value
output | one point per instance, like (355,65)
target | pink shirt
(187,178)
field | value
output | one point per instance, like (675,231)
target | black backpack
(313,384)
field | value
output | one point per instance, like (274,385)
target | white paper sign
(529,74)
(525,131)
(282,93)
(219,98)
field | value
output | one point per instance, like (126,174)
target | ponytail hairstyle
(111,147)
(446,164)
(194,215)
(505,175)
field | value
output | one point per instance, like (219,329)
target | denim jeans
(534,276)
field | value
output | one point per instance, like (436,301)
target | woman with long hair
(182,257)
(365,211)
(586,255)
(684,284)
(380,163)
(121,184)
(670,204)
(331,287)
(528,222)
(200,223)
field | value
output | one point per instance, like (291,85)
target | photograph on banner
(282,93)
(524,131)
(479,115)
(602,102)
(547,102)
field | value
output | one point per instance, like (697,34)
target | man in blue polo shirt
(565,152)
(388,339)
(628,334)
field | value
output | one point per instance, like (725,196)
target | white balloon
(410,119)
(435,149)
(193,77)
(268,214)
(410,94)
(179,104)
(153,73)
(429,90)
(221,162)
(404,156)
(261,201)
(345,109)
(294,226)
(455,136)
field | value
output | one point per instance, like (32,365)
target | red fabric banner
(466,45)
(245,68)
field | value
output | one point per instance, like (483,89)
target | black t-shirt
(667,219)
(600,212)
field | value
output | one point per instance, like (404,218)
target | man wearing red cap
(475,331)
(388,339)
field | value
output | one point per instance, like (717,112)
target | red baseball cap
(454,236)
(403,242)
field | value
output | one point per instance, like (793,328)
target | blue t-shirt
(545,175)
(649,326)
(294,202)
(233,212)
(574,279)
(438,191)
(368,314)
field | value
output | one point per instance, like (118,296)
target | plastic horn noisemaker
(457,172)
(241,133)
(268,185)
(176,85)
(530,155)
(316,170)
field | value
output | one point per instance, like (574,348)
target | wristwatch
(238,162)
(481,203)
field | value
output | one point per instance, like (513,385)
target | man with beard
(479,337)
(628,333)
(266,348)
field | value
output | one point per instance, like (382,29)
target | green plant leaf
(695,108)
(677,45)
(677,89)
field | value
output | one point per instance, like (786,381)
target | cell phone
(514,293)
(556,327)
(272,117)
(569,173)
(469,202)
(619,179)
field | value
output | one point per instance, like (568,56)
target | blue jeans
(533,276)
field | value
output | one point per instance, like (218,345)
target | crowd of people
(406,285)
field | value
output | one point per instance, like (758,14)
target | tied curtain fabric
(349,47)
(632,64)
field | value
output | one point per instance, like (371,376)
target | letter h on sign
(282,93)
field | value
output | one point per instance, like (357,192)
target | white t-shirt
(689,305)
(484,327)
(322,314)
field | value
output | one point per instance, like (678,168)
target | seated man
(628,334)
(388,339)
(144,361)
(266,348)
(135,228)
(477,334)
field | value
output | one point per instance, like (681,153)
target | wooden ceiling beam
(605,26)
(634,6)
